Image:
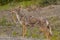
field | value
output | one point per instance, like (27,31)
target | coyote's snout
(43,23)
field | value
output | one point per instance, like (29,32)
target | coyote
(25,21)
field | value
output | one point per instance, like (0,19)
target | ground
(9,28)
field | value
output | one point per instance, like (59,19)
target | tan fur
(31,21)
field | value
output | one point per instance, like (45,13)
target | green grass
(34,31)
(55,21)
(14,33)
(29,3)
(4,22)
(23,4)
(9,6)
(12,5)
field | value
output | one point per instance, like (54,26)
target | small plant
(14,33)
(3,21)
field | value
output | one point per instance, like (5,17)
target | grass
(55,21)
(13,5)
(9,6)
(23,4)
(4,22)
(5,7)
(29,3)
(14,33)
(34,32)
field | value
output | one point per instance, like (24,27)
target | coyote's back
(26,21)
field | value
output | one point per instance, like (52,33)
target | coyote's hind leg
(46,32)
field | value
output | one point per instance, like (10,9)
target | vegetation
(6,4)
(35,33)
(5,22)
(3,2)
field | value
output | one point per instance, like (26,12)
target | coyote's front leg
(24,30)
